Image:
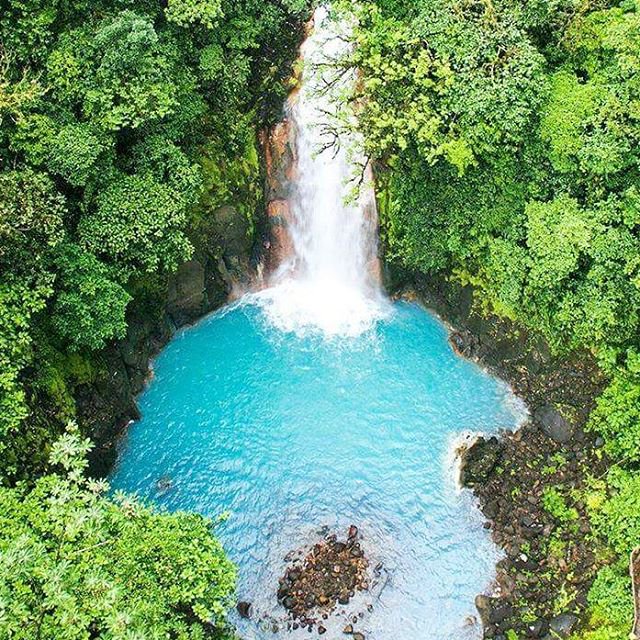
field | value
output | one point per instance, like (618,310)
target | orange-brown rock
(280,246)
(280,159)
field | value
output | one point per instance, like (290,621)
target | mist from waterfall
(331,282)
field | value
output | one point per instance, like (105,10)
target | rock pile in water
(328,576)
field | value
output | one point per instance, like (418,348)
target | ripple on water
(293,433)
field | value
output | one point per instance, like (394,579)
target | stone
(500,613)
(479,460)
(554,424)
(348,629)
(244,609)
(483,605)
(537,629)
(563,625)
(463,343)
(186,297)
(358,636)
(329,574)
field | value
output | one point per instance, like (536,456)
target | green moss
(231,180)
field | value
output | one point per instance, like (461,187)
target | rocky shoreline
(530,484)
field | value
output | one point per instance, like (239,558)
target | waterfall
(331,281)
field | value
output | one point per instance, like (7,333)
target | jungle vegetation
(508,132)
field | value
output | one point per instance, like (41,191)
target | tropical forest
(319,318)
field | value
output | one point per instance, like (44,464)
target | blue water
(292,434)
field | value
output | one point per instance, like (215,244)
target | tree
(73,153)
(89,307)
(76,564)
(118,72)
(31,219)
(187,12)
(138,221)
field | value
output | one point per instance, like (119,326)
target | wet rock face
(280,164)
(186,294)
(479,460)
(280,244)
(328,576)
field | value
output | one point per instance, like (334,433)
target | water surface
(292,433)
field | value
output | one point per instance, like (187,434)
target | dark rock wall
(220,268)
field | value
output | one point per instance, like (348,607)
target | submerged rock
(163,484)
(244,609)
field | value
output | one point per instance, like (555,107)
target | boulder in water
(479,460)
(328,575)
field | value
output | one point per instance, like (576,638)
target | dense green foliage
(122,124)
(506,137)
(75,564)
(506,134)
(108,111)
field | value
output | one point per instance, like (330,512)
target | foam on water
(330,283)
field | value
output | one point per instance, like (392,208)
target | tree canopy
(120,124)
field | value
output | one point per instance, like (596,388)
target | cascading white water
(331,282)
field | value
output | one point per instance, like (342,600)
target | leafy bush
(75,564)
(609,597)
(74,152)
(90,307)
(139,222)
(555,504)
(618,519)
(617,414)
